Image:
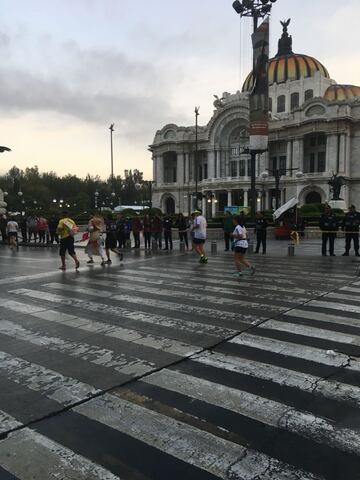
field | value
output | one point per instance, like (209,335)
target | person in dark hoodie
(167,224)
(328,225)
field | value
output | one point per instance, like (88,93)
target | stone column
(289,159)
(331,153)
(298,154)
(347,140)
(186,170)
(218,163)
(180,169)
(159,169)
(246,198)
(203,206)
(229,198)
(227,164)
(213,206)
(211,164)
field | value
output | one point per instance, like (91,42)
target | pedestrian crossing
(176,370)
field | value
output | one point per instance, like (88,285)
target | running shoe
(77,265)
(108,262)
(252,270)
(62,268)
(102,263)
(90,261)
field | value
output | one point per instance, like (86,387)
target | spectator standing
(228,228)
(3,224)
(66,230)
(147,232)
(328,225)
(261,226)
(12,229)
(127,230)
(32,226)
(120,231)
(167,225)
(192,231)
(351,225)
(23,229)
(136,229)
(157,230)
(53,221)
(182,225)
(111,238)
(42,228)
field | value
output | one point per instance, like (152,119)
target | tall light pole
(255,9)
(196,157)
(111,128)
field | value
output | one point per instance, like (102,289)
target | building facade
(314,132)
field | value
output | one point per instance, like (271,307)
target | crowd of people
(110,234)
(31,228)
(330,224)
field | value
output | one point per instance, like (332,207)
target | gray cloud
(94,86)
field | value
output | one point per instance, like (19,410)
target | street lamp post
(196,157)
(111,128)
(255,9)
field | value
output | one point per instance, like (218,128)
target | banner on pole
(259,96)
(284,208)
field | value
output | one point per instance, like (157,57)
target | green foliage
(129,212)
(312,208)
(42,192)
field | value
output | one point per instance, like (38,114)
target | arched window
(309,94)
(270,104)
(281,101)
(315,153)
(294,100)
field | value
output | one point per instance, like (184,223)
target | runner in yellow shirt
(66,229)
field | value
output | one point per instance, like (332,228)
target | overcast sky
(72,67)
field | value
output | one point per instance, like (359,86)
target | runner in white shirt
(199,230)
(12,228)
(241,245)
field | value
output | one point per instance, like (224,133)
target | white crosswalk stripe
(204,450)
(259,362)
(138,315)
(272,413)
(51,460)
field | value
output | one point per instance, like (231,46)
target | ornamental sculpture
(336,183)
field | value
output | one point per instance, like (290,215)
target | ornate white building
(314,130)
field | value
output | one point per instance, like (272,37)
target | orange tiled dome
(341,92)
(289,67)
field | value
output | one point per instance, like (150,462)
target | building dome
(287,65)
(341,93)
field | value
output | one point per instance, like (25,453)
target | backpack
(71,226)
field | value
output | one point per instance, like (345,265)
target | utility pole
(111,128)
(196,158)
(255,9)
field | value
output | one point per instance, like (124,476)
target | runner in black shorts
(240,248)
(65,230)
